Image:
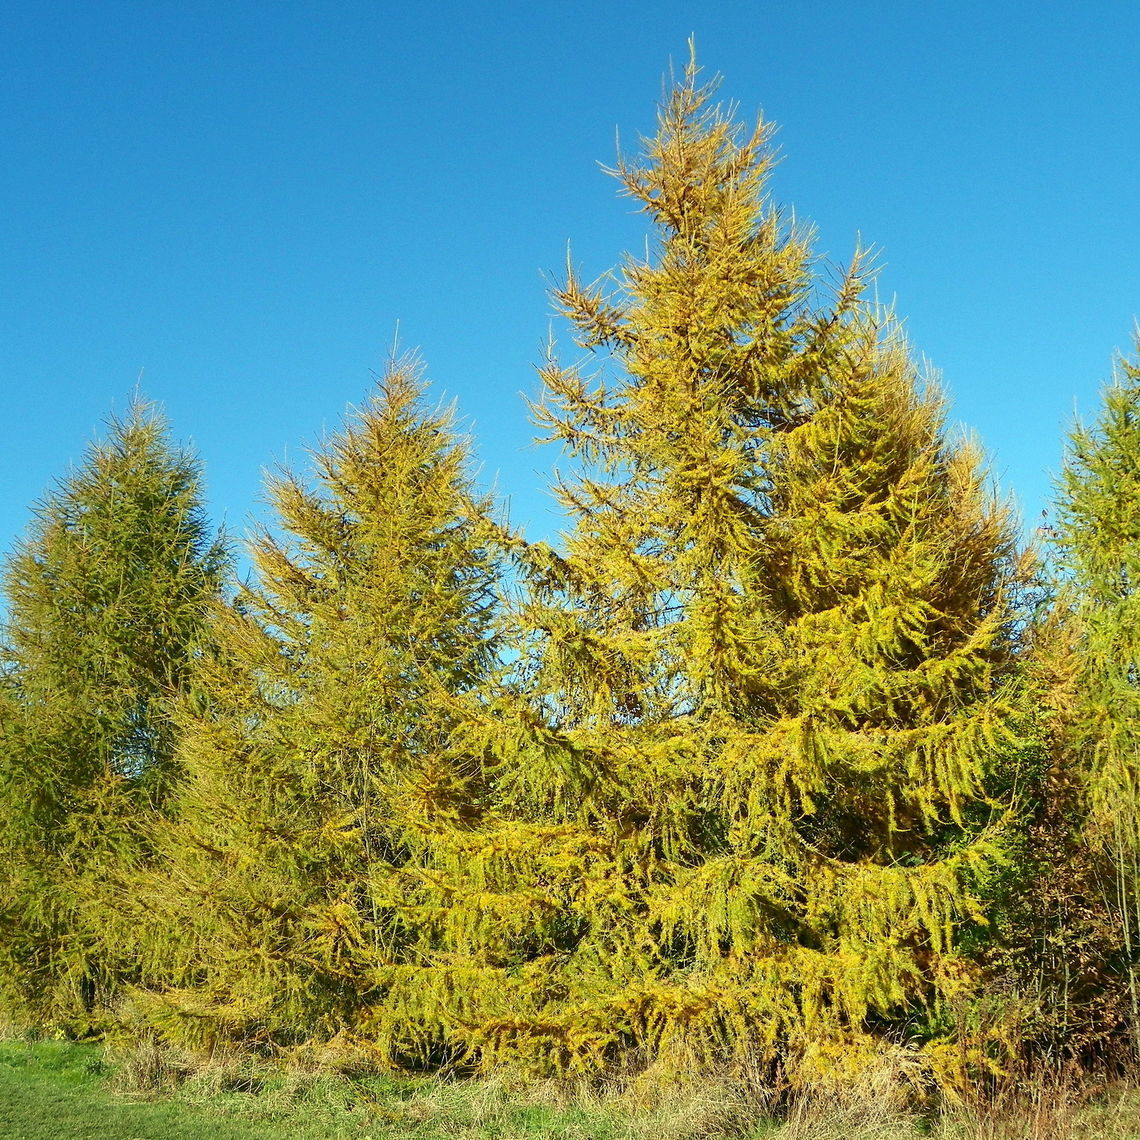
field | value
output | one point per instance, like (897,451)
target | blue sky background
(242,199)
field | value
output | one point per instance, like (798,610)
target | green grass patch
(55,1090)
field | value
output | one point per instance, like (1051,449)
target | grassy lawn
(53,1090)
(57,1090)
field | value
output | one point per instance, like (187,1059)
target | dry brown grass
(878,1104)
(1044,1106)
(1049,1105)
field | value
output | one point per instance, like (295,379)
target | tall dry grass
(877,1105)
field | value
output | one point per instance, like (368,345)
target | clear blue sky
(242,199)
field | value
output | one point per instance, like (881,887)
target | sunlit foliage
(740,776)
(314,760)
(734,775)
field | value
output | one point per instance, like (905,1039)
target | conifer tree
(739,799)
(317,776)
(106,598)
(1098,547)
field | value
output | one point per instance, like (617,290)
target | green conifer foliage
(317,777)
(1098,545)
(106,599)
(739,780)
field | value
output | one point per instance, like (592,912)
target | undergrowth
(155,1094)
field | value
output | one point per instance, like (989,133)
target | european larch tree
(317,774)
(106,600)
(1098,548)
(740,775)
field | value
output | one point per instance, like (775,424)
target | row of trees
(789,751)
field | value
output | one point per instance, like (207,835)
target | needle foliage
(740,803)
(1098,547)
(732,776)
(106,599)
(315,768)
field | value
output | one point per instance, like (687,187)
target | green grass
(54,1091)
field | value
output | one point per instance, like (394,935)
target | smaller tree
(106,599)
(317,775)
(1098,556)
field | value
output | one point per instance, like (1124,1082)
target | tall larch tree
(106,600)
(1098,554)
(739,798)
(317,776)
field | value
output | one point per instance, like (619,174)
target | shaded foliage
(106,598)
(1096,657)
